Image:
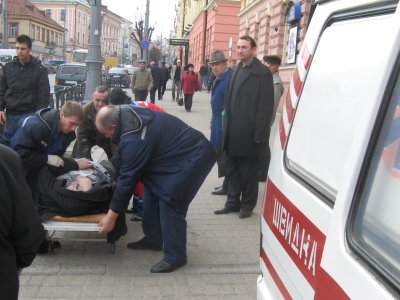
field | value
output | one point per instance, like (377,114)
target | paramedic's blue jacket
(38,137)
(168,156)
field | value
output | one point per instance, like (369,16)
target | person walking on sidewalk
(165,76)
(172,163)
(176,75)
(223,74)
(248,112)
(142,82)
(189,85)
(156,74)
(24,88)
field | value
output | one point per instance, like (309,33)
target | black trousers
(188,99)
(153,94)
(263,161)
(161,90)
(243,182)
(140,95)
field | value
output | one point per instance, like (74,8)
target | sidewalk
(223,251)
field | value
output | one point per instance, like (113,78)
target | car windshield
(116,71)
(72,70)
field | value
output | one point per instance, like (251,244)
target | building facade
(209,25)
(26,18)
(278,27)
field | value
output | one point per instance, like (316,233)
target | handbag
(180,101)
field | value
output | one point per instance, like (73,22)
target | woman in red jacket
(189,84)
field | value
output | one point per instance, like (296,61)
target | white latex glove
(54,160)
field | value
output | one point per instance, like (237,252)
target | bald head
(106,119)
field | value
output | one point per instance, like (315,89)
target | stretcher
(88,223)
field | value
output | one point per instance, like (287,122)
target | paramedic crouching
(172,160)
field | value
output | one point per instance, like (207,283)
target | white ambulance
(330,225)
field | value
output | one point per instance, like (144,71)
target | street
(223,250)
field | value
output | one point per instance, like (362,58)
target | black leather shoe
(244,214)
(143,244)
(226,210)
(165,267)
(220,191)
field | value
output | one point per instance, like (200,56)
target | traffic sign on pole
(145,44)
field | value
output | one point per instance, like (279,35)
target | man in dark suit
(248,110)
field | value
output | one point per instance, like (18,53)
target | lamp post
(146,29)
(5,15)
(65,32)
(94,59)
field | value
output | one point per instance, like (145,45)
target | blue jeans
(176,85)
(163,225)
(13,122)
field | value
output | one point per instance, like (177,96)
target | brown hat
(217,56)
(273,59)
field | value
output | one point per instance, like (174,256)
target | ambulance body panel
(330,223)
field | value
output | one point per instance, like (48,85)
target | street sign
(145,44)
(179,42)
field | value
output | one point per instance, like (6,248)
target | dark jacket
(156,74)
(38,137)
(88,135)
(219,91)
(248,112)
(165,76)
(20,229)
(24,88)
(168,156)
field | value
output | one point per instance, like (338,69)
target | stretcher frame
(88,223)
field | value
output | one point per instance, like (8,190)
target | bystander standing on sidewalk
(222,75)
(24,88)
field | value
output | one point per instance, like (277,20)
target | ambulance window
(376,226)
(334,103)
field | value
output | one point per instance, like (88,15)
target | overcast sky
(162,12)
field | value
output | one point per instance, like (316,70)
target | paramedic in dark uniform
(172,160)
(21,231)
(44,137)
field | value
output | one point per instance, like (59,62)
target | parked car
(130,70)
(50,68)
(55,62)
(118,76)
(70,74)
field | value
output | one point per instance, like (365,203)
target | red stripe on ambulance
(282,133)
(297,83)
(289,108)
(306,57)
(300,238)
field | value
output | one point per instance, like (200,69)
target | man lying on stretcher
(65,192)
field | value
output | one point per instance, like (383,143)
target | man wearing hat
(142,82)
(223,74)
(272,62)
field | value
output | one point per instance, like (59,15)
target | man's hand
(84,163)
(55,161)
(108,222)
(2,117)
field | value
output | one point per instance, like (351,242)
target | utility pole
(5,15)
(94,60)
(65,31)
(146,29)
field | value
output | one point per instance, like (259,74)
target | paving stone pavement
(223,251)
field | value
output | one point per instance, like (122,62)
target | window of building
(292,19)
(83,39)
(33,32)
(47,36)
(52,37)
(43,34)
(63,15)
(48,12)
(79,17)
(14,29)
(38,33)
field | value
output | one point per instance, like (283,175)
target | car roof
(73,64)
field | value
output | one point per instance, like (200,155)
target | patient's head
(81,183)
